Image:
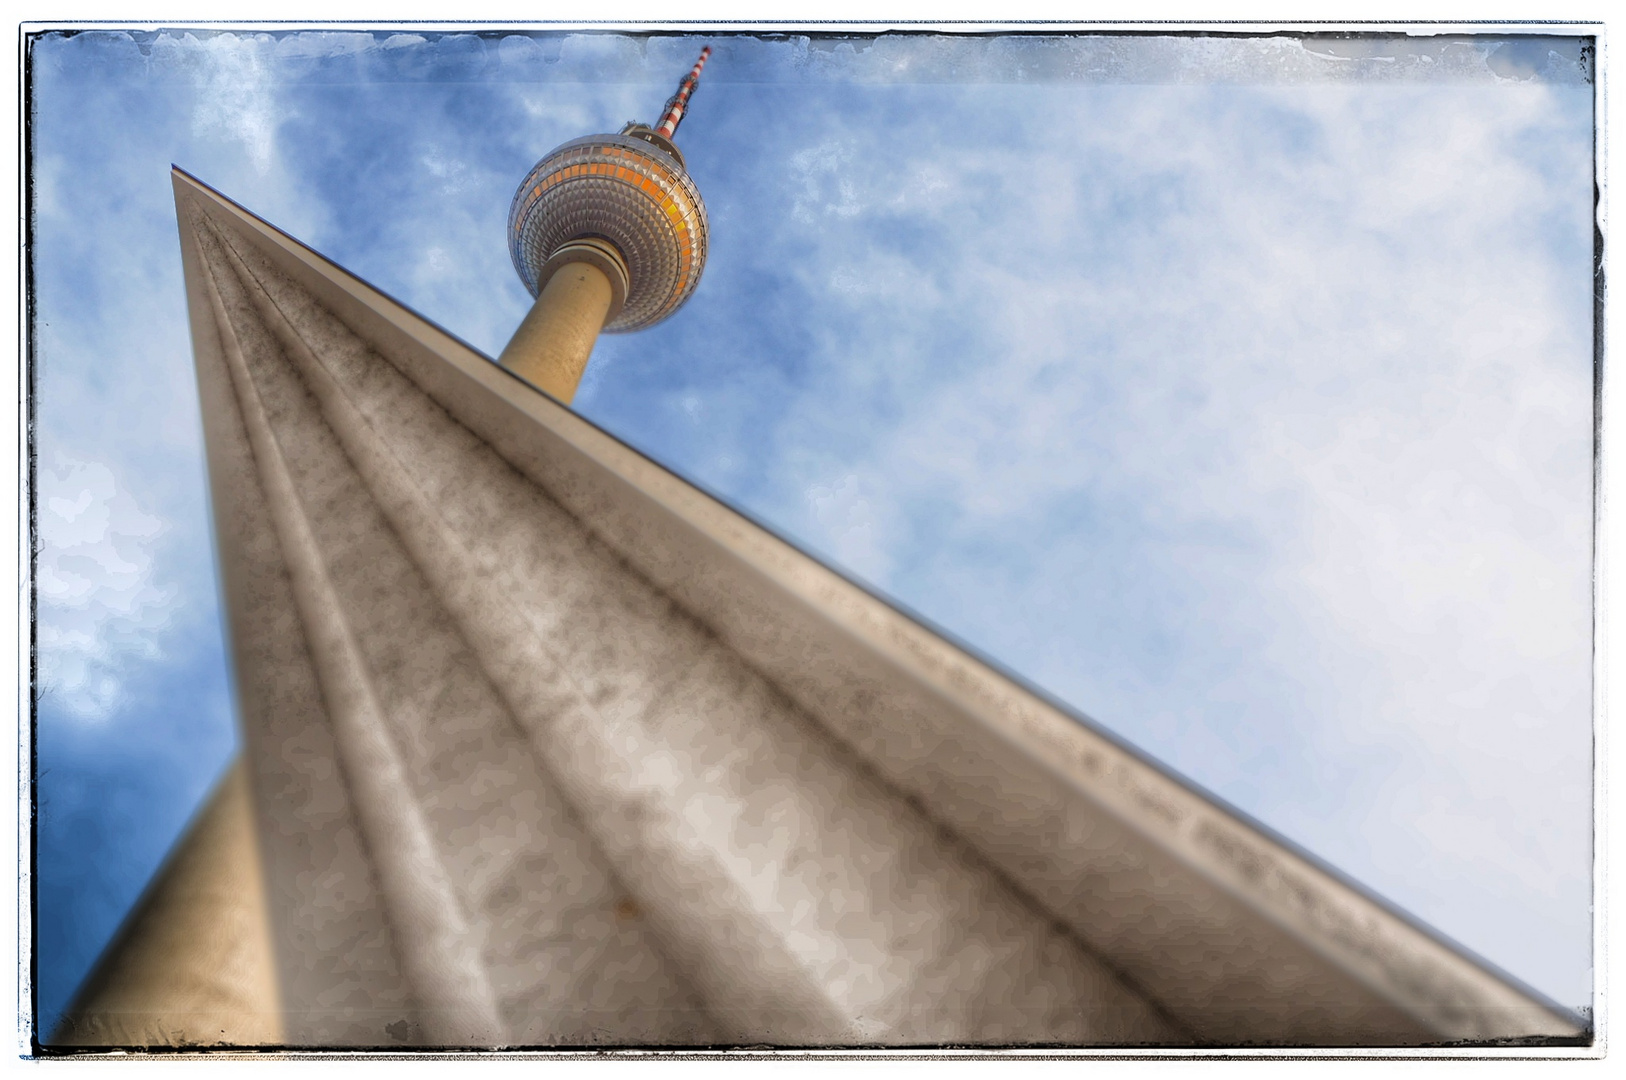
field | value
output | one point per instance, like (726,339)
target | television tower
(608,232)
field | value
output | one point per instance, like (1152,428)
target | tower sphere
(631,190)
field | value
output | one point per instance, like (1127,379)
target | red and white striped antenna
(679,103)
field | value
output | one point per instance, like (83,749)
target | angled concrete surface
(551,748)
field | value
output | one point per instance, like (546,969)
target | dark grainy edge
(28,1014)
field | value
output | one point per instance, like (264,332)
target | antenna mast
(678,104)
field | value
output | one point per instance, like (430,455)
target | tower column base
(193,966)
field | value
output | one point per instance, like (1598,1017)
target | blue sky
(1236,392)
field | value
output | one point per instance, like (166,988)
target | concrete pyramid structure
(548,747)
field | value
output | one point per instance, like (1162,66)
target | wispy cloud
(236,96)
(100,610)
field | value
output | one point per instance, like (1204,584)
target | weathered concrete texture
(806,902)
(507,928)
(551,748)
(192,966)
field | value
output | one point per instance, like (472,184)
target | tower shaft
(193,965)
(551,347)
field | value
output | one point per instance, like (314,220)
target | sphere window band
(626,192)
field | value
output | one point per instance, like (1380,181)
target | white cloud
(850,521)
(236,108)
(825,189)
(100,611)
(237,97)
